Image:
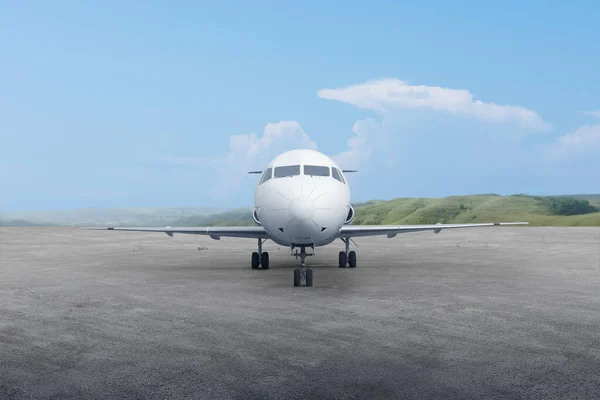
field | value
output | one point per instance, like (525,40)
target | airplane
(302,201)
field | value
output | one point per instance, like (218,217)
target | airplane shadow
(244,267)
(278,276)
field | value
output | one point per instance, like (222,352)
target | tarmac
(502,312)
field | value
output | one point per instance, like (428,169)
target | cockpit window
(266,175)
(316,170)
(337,174)
(288,170)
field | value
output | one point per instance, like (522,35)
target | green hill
(537,210)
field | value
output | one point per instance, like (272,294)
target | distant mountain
(100,216)
(18,222)
(240,216)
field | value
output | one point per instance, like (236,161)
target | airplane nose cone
(302,208)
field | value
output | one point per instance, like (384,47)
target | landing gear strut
(303,275)
(347,258)
(259,258)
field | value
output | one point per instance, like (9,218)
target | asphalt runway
(468,314)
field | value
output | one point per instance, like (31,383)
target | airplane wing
(393,230)
(214,232)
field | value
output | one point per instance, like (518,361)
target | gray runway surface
(480,313)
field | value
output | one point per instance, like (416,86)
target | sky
(168,104)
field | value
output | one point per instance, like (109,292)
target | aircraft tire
(296,277)
(342,259)
(309,278)
(255,261)
(352,259)
(265,260)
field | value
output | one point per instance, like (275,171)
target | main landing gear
(259,258)
(347,258)
(303,275)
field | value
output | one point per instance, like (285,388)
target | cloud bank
(369,137)
(595,114)
(251,152)
(583,141)
(386,95)
(276,138)
(360,146)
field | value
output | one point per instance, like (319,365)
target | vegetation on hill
(537,210)
(594,199)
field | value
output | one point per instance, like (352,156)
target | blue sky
(111,104)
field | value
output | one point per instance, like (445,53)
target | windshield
(266,175)
(337,175)
(316,170)
(288,170)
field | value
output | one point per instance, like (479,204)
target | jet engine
(350,216)
(255,216)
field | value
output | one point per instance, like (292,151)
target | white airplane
(301,201)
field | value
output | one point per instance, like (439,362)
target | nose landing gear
(259,258)
(303,275)
(347,258)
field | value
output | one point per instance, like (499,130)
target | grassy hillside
(536,210)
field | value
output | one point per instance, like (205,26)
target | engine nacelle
(255,216)
(350,216)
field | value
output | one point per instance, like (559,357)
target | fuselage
(302,199)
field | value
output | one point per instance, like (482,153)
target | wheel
(265,260)
(309,277)
(296,277)
(342,259)
(352,259)
(255,262)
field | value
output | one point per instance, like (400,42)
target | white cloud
(276,138)
(359,146)
(583,141)
(385,95)
(595,114)
(369,137)
(250,152)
